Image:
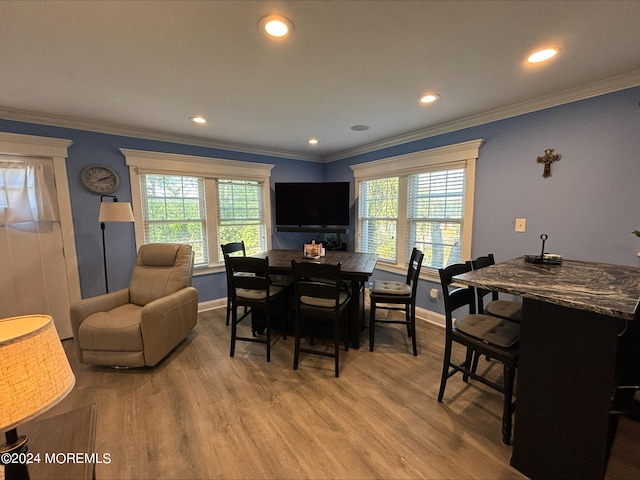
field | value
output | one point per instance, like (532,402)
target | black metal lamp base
(13,455)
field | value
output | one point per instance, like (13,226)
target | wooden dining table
(355,267)
(575,319)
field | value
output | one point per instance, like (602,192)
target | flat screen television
(312,204)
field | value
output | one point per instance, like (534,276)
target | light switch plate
(521,224)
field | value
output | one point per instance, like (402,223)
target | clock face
(100,179)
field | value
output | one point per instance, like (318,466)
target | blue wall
(588,207)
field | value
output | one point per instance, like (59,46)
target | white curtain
(32,269)
(27,192)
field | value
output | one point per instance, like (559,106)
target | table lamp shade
(115,212)
(35,374)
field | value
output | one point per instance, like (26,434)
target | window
(378,217)
(423,200)
(173,211)
(241,214)
(435,210)
(201,201)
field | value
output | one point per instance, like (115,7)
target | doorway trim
(55,149)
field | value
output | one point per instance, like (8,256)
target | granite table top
(607,289)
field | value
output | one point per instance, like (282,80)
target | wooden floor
(203,415)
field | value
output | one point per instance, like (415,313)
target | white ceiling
(145,67)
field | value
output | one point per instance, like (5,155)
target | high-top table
(355,267)
(572,317)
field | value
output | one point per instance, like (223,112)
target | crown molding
(125,131)
(610,85)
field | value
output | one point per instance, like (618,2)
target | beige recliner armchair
(138,326)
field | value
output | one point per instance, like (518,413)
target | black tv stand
(301,229)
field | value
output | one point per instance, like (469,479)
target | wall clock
(99,179)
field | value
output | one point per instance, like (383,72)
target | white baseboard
(430,316)
(212,304)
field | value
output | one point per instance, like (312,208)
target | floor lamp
(113,211)
(35,375)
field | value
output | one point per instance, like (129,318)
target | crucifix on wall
(548,158)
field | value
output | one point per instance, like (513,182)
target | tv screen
(312,204)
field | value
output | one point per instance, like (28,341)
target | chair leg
(445,369)
(347,332)
(474,365)
(509,376)
(285,309)
(228,312)
(234,321)
(372,316)
(336,346)
(412,322)
(362,286)
(469,362)
(296,347)
(268,320)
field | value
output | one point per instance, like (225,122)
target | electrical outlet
(521,224)
(434,294)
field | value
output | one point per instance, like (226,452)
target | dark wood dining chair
(251,287)
(319,295)
(481,334)
(394,295)
(507,309)
(232,248)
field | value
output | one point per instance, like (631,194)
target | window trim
(459,155)
(141,161)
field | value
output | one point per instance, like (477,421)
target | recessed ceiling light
(275,26)
(429,98)
(199,119)
(312,141)
(542,55)
(359,128)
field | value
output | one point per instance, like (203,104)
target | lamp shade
(35,374)
(115,212)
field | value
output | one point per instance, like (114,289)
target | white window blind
(435,209)
(378,217)
(173,210)
(241,214)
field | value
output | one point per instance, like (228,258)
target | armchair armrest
(102,303)
(166,321)
(88,306)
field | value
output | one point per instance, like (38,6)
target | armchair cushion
(114,330)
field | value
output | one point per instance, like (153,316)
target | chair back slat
(459,296)
(233,247)
(482,262)
(317,280)
(248,272)
(413,272)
